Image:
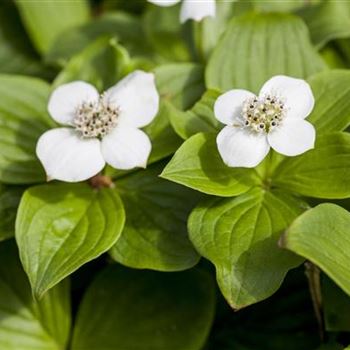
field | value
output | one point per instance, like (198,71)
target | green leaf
(24,323)
(322,172)
(207,32)
(283,6)
(9,200)
(128,309)
(46,20)
(328,21)
(336,307)
(122,26)
(332,57)
(61,227)
(23,118)
(321,236)
(332,94)
(198,119)
(102,63)
(257,46)
(17,56)
(155,233)
(239,236)
(181,83)
(197,164)
(165,33)
(164,140)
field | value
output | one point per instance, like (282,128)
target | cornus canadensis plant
(196,10)
(89,265)
(99,129)
(274,119)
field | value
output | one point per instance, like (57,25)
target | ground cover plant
(174,175)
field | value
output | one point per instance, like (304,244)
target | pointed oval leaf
(125,308)
(17,56)
(197,164)
(102,63)
(283,6)
(257,46)
(122,26)
(43,22)
(180,83)
(322,172)
(200,118)
(165,33)
(239,236)
(61,227)
(332,94)
(321,235)
(24,323)
(328,21)
(23,118)
(207,32)
(155,233)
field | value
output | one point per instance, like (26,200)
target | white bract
(274,119)
(191,9)
(99,129)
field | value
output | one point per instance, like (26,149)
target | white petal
(126,148)
(242,148)
(197,9)
(292,137)
(137,98)
(164,2)
(66,98)
(299,99)
(228,107)
(67,157)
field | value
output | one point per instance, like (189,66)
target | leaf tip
(37,294)
(163,174)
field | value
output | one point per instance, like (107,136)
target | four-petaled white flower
(99,129)
(191,9)
(274,119)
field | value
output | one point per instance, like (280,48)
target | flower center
(95,119)
(263,114)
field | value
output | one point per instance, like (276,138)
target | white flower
(191,9)
(274,119)
(99,129)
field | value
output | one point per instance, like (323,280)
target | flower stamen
(263,114)
(95,120)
